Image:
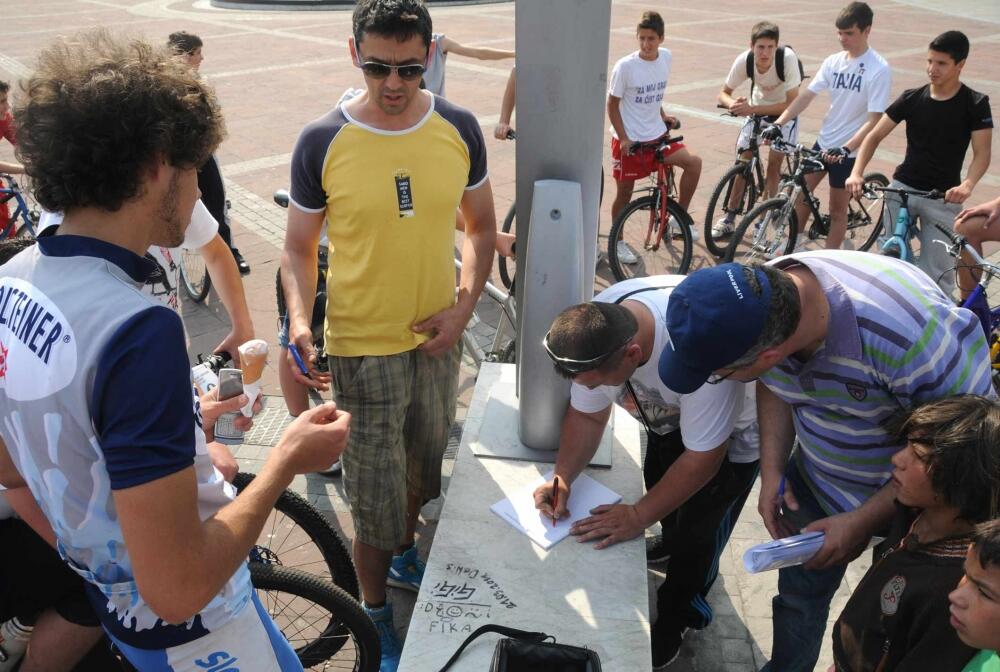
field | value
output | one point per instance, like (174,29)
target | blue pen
(781,487)
(305,372)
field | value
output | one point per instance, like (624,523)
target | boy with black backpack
(775,74)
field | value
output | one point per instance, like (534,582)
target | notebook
(519,509)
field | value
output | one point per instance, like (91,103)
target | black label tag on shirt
(404,195)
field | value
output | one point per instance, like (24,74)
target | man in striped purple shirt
(841,342)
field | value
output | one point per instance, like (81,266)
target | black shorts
(34,578)
(838,172)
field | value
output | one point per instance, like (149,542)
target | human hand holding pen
(552,505)
(769,506)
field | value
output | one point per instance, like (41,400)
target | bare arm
(180,563)
(579,439)
(981,156)
(777,436)
(450,46)
(506,107)
(298,281)
(446,326)
(226,279)
(24,504)
(796,107)
(871,142)
(11,168)
(615,117)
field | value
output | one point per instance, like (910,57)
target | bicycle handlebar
(933,194)
(656,144)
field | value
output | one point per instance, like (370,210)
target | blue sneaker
(392,648)
(406,570)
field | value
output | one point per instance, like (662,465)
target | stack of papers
(519,509)
(782,552)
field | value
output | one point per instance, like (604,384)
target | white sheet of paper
(519,509)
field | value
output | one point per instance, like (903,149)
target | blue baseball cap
(713,318)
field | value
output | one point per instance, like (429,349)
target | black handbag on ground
(523,651)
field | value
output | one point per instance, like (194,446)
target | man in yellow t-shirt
(387,170)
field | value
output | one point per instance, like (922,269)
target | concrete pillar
(562,57)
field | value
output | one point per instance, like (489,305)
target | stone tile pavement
(274,71)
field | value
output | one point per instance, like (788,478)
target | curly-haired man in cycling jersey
(97,416)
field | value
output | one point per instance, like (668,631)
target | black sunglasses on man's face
(378,70)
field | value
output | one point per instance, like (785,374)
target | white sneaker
(723,227)
(675,229)
(625,255)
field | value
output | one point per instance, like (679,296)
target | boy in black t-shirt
(941,119)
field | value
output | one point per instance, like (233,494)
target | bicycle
(977,301)
(641,227)
(194,273)
(751,173)
(327,627)
(27,215)
(775,222)
(905,228)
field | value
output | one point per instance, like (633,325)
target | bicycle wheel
(864,216)
(297,536)
(508,226)
(634,233)
(768,231)
(324,624)
(194,275)
(721,199)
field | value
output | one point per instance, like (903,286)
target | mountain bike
(771,228)
(739,187)
(905,228)
(25,218)
(978,301)
(642,226)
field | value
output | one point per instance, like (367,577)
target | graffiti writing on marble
(467,596)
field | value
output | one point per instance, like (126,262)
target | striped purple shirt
(894,341)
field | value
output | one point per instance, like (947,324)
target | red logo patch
(3,361)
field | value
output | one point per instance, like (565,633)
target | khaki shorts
(402,408)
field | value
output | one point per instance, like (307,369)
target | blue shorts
(251,642)
(283,332)
(838,172)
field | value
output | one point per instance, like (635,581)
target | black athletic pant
(696,532)
(213,195)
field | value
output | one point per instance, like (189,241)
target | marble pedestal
(481,570)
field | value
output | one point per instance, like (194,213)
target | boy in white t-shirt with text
(859,81)
(774,74)
(635,97)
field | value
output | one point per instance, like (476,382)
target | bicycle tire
(860,224)
(508,225)
(291,549)
(721,194)
(674,254)
(194,275)
(776,214)
(339,618)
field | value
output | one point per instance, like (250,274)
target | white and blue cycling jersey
(96,396)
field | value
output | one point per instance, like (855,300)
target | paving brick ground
(275,71)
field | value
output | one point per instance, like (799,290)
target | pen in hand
(298,360)
(555,500)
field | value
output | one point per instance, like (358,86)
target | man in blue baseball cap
(702,452)
(840,342)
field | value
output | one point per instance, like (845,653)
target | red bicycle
(652,234)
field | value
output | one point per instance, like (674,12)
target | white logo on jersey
(37,345)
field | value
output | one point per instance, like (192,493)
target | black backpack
(779,63)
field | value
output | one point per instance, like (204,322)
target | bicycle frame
(13,192)
(898,244)
(505,303)
(664,188)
